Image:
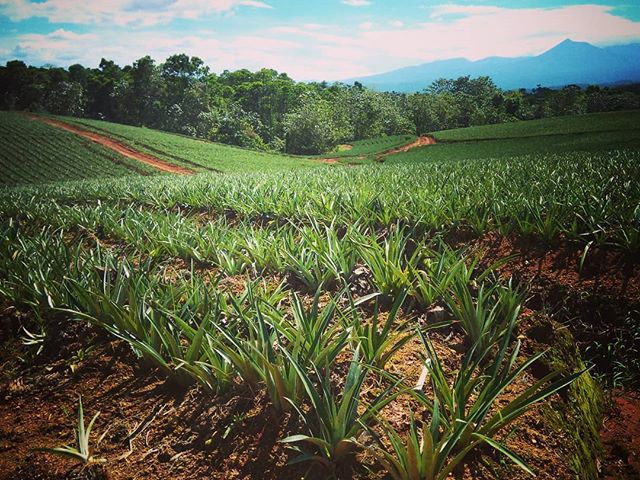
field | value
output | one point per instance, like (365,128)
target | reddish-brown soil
(116,146)
(190,433)
(597,298)
(621,437)
(344,147)
(556,268)
(158,431)
(330,161)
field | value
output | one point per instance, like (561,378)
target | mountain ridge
(568,62)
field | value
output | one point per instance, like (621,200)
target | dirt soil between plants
(621,437)
(117,147)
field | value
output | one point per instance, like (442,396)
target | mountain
(566,63)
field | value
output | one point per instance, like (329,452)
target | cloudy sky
(308,39)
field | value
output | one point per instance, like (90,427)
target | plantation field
(371,146)
(430,317)
(31,152)
(589,123)
(193,153)
(516,147)
(586,133)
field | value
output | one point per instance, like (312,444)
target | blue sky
(310,40)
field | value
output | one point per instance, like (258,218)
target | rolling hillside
(187,151)
(581,133)
(52,149)
(33,152)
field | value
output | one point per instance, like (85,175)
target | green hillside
(582,133)
(593,122)
(194,153)
(32,152)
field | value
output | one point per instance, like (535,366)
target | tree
(66,98)
(314,126)
(146,92)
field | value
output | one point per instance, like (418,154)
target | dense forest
(268,110)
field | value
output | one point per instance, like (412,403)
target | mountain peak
(571,46)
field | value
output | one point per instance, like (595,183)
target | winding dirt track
(116,146)
(418,142)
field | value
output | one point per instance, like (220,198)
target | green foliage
(196,154)
(388,260)
(378,339)
(484,312)
(259,109)
(314,127)
(335,422)
(466,414)
(595,122)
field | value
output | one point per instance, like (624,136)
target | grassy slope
(187,151)
(608,131)
(593,122)
(371,146)
(32,152)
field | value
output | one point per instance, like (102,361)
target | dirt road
(116,146)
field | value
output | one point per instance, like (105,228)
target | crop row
(590,197)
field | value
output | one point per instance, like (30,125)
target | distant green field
(370,146)
(511,147)
(191,152)
(618,130)
(32,152)
(593,122)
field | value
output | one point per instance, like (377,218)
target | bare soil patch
(116,146)
(621,437)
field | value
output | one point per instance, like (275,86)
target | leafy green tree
(235,126)
(314,126)
(66,98)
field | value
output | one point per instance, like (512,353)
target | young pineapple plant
(82,451)
(466,414)
(388,261)
(335,421)
(378,338)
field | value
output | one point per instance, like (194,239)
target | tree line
(268,110)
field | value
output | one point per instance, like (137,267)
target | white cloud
(366,26)
(120,12)
(439,11)
(357,3)
(396,23)
(315,51)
